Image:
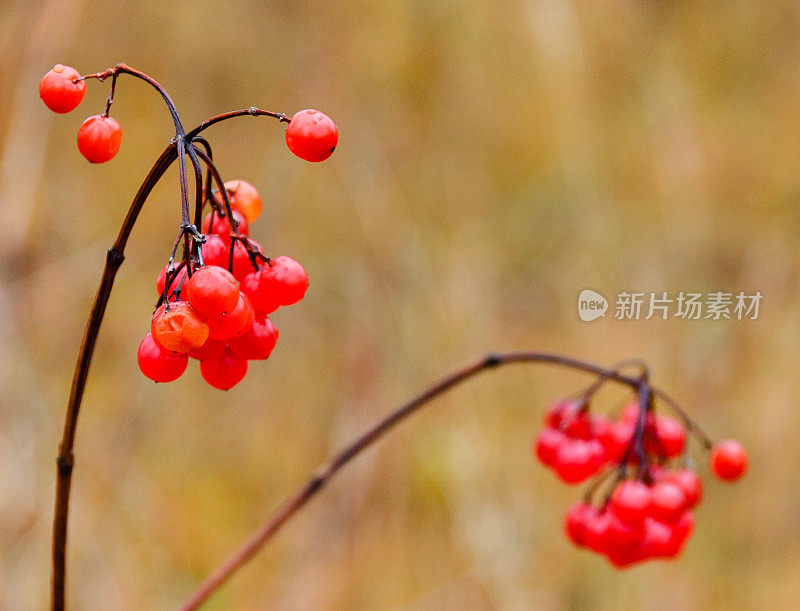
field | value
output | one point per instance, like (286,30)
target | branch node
(65,464)
(492,359)
(192,231)
(315,483)
(114,257)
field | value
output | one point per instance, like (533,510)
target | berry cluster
(219,315)
(214,304)
(647,513)
(577,444)
(641,520)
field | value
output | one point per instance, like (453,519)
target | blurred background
(495,159)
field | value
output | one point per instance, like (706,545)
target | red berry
(213,291)
(99,138)
(595,531)
(622,534)
(575,522)
(598,454)
(238,321)
(667,501)
(682,530)
(569,416)
(221,227)
(623,557)
(179,281)
(600,428)
(616,440)
(668,437)
(215,251)
(578,426)
(630,412)
(560,410)
(259,342)
(690,484)
(180,328)
(577,460)
(630,415)
(244,198)
(282,283)
(729,460)
(630,501)
(58,90)
(312,135)
(212,348)
(657,473)
(223,371)
(659,540)
(158,363)
(547,444)
(242,265)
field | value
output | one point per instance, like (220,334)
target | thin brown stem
(207,146)
(125,69)
(586,394)
(207,192)
(326,472)
(65,460)
(110,100)
(252,112)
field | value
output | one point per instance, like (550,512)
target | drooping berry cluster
(219,316)
(214,304)
(647,512)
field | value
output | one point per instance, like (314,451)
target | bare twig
(252,112)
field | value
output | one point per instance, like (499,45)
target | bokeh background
(495,159)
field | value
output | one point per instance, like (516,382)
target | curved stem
(125,69)
(585,395)
(207,194)
(65,460)
(252,111)
(185,218)
(197,253)
(326,471)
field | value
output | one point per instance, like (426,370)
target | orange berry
(180,328)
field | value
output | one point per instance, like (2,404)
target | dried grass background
(495,159)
